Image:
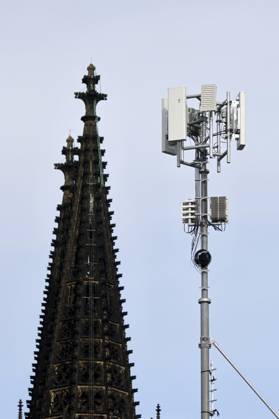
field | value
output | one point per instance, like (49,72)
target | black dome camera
(202,258)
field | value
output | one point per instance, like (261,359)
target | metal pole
(205,124)
(204,301)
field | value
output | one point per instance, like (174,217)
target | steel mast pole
(211,126)
(204,300)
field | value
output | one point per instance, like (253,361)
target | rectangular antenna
(218,209)
(241,121)
(208,97)
(167,147)
(177,114)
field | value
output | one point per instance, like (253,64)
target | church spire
(81,367)
(158,411)
(20,406)
(90,97)
(69,142)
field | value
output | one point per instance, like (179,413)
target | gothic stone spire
(81,368)
(20,406)
(158,411)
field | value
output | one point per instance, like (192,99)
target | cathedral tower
(81,368)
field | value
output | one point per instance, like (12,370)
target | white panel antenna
(167,147)
(208,97)
(218,209)
(177,114)
(211,125)
(234,117)
(241,142)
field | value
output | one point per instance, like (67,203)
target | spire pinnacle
(69,151)
(158,411)
(90,69)
(70,140)
(90,98)
(20,406)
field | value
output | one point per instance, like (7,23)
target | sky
(140,49)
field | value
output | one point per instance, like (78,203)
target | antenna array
(208,131)
(212,126)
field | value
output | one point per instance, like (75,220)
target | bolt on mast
(211,127)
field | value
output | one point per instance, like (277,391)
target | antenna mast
(211,127)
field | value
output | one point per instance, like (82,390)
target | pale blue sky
(140,49)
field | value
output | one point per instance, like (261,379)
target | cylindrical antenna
(211,134)
(228,127)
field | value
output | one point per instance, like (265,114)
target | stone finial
(91,70)
(158,411)
(70,140)
(20,406)
(69,148)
